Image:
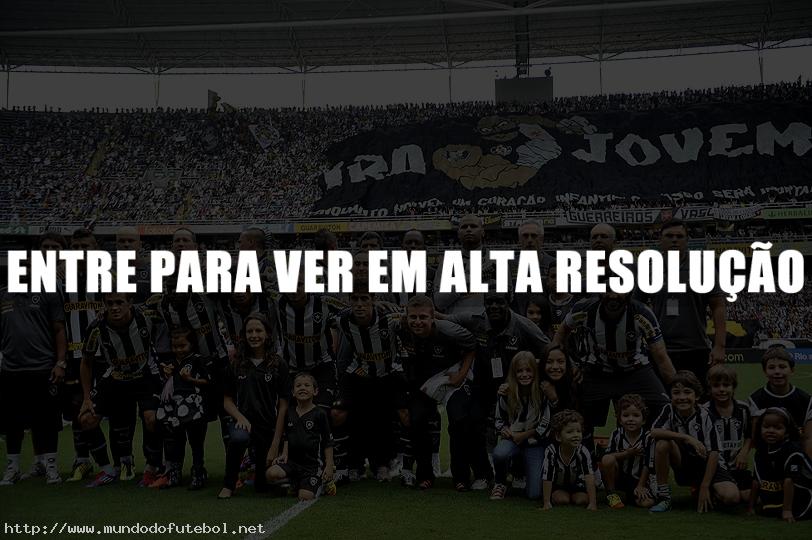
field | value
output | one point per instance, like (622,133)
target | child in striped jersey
(732,421)
(567,473)
(688,444)
(625,466)
(523,423)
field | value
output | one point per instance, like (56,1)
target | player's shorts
(111,397)
(71,397)
(387,392)
(571,488)
(28,400)
(302,478)
(692,469)
(742,478)
(626,483)
(600,389)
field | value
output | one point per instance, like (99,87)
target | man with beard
(622,339)
(683,316)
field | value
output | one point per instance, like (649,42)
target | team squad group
(312,390)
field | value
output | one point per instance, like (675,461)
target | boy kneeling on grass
(307,454)
(686,442)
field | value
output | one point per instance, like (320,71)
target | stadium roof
(303,35)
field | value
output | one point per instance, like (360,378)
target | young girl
(522,422)
(182,410)
(557,381)
(256,391)
(307,455)
(625,466)
(783,473)
(567,474)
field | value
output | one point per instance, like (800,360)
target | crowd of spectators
(780,315)
(191,164)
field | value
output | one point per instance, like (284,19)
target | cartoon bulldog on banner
(516,148)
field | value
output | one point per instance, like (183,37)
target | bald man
(531,238)
(471,233)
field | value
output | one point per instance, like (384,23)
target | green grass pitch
(372,510)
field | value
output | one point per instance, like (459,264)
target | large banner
(693,155)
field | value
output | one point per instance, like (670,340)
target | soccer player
(253,239)
(437,358)
(622,339)
(81,308)
(256,397)
(128,239)
(370,241)
(413,240)
(307,452)
(239,305)
(372,386)
(683,316)
(779,366)
(732,421)
(32,327)
(308,332)
(567,474)
(548,310)
(687,442)
(121,340)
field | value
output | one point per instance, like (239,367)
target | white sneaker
(435,465)
(480,484)
(382,474)
(395,466)
(341,475)
(11,476)
(52,477)
(407,478)
(518,483)
(37,470)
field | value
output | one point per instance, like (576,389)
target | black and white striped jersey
(615,346)
(566,473)
(619,442)
(127,352)
(306,331)
(698,425)
(370,351)
(200,313)
(731,431)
